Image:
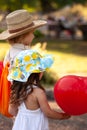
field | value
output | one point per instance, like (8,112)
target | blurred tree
(62,3)
(51,5)
(11,5)
(44,5)
(47,5)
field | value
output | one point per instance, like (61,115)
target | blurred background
(65,37)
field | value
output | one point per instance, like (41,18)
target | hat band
(20,29)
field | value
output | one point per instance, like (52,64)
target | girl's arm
(13,109)
(45,107)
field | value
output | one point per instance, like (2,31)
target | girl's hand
(65,116)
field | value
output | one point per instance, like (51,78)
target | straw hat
(28,62)
(20,22)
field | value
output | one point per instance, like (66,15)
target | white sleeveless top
(30,119)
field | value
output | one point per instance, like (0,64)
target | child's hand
(65,116)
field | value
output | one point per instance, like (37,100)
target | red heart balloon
(70,93)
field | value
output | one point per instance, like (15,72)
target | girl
(20,28)
(28,100)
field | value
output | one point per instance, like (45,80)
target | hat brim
(36,24)
(36,63)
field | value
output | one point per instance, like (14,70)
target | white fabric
(30,119)
(14,50)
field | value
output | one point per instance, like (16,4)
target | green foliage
(1,30)
(11,5)
(38,34)
(49,78)
(31,5)
(62,3)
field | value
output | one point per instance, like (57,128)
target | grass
(70,56)
(3,50)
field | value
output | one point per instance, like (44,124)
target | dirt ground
(74,123)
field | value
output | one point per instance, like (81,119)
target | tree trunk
(46,6)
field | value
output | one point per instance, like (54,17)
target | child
(20,28)
(19,33)
(28,100)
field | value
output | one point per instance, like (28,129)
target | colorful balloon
(70,93)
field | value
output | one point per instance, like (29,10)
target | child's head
(25,38)
(20,22)
(28,62)
(27,71)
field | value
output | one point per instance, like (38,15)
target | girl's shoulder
(38,91)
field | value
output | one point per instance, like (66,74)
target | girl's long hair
(20,90)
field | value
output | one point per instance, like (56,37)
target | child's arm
(42,99)
(13,109)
